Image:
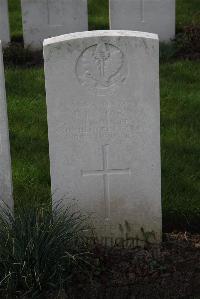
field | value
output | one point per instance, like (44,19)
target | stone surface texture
(102,91)
(47,18)
(155,16)
(5,162)
(4,23)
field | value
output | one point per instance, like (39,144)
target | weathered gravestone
(155,16)
(102,92)
(4,23)
(47,18)
(5,165)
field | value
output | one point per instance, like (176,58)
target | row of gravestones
(47,18)
(102,91)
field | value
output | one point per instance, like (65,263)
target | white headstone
(4,23)
(102,91)
(155,16)
(5,163)
(47,18)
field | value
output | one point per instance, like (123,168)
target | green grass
(98,14)
(180,124)
(180,132)
(188,12)
(29,145)
(15,18)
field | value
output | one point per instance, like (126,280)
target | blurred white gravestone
(4,23)
(155,16)
(5,162)
(47,18)
(102,91)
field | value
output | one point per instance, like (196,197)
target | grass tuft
(39,249)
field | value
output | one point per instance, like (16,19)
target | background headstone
(102,92)
(155,16)
(47,18)
(4,23)
(5,162)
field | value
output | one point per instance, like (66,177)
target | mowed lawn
(180,125)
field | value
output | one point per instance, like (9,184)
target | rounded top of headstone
(99,33)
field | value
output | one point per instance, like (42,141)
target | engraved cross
(49,13)
(106,172)
(142,10)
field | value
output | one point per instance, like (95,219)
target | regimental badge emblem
(101,67)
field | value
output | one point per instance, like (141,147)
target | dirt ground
(171,270)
